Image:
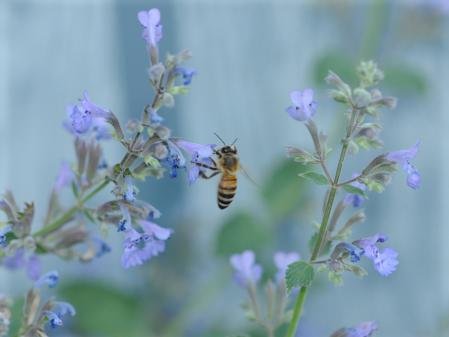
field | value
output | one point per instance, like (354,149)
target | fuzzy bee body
(228,164)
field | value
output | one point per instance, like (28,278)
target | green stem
(322,234)
(51,227)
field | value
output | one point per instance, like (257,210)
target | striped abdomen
(226,190)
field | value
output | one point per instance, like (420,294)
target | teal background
(249,56)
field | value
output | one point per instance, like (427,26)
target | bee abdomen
(226,191)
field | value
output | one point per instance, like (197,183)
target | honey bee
(227,164)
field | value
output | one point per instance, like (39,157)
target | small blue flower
(50,278)
(59,310)
(246,271)
(155,118)
(186,74)
(33,267)
(175,159)
(150,20)
(282,260)
(140,247)
(303,106)
(125,223)
(129,194)
(386,261)
(200,156)
(87,116)
(364,329)
(101,247)
(355,252)
(403,158)
(355,199)
(3,232)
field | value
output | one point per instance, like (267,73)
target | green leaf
(240,232)
(75,190)
(299,274)
(315,177)
(405,78)
(355,190)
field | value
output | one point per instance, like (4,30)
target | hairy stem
(63,219)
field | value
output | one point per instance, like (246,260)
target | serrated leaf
(299,274)
(355,190)
(317,178)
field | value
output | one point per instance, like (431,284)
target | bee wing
(245,173)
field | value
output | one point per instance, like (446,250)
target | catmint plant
(333,251)
(80,231)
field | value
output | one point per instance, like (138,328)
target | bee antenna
(219,138)
(235,141)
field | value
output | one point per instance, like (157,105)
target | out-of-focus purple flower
(175,159)
(129,193)
(186,73)
(101,247)
(152,31)
(282,260)
(140,247)
(246,271)
(3,231)
(155,118)
(59,310)
(33,267)
(386,261)
(84,116)
(50,279)
(15,261)
(355,199)
(402,158)
(303,106)
(65,177)
(364,329)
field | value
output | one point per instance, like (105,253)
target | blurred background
(249,55)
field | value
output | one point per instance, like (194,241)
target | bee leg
(213,168)
(205,176)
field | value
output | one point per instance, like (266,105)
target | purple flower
(65,177)
(50,279)
(186,74)
(150,20)
(402,158)
(3,232)
(246,271)
(364,329)
(282,260)
(303,107)
(139,247)
(15,261)
(175,159)
(200,156)
(386,261)
(33,267)
(59,310)
(84,116)
(129,193)
(355,199)
(155,118)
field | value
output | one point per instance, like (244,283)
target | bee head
(229,149)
